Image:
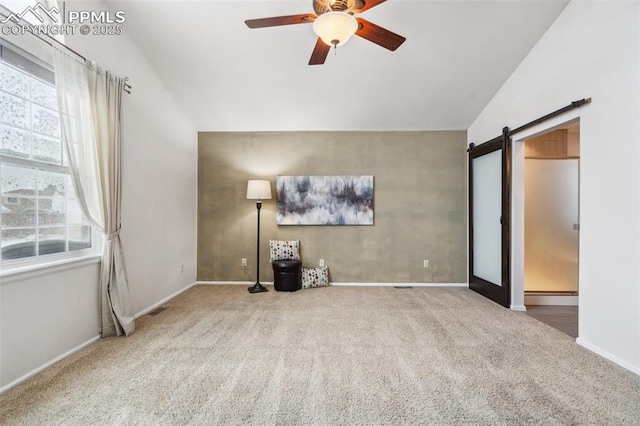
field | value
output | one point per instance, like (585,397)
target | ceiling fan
(334,23)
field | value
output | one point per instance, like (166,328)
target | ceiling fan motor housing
(323,6)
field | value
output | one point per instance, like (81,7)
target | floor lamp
(258,190)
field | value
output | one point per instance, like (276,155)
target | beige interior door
(551,225)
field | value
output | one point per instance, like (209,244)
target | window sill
(19,273)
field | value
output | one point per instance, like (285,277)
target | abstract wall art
(324,200)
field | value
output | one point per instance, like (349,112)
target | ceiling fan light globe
(332,26)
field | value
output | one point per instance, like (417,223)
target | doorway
(550,226)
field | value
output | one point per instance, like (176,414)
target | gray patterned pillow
(315,277)
(280,250)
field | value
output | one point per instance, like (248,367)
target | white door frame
(517,201)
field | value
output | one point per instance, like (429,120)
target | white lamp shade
(335,28)
(259,190)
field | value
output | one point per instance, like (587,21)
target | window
(40,212)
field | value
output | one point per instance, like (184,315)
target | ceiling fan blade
(275,21)
(320,53)
(366,5)
(379,35)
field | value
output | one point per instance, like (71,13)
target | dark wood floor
(564,318)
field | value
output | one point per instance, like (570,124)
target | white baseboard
(345,284)
(399,284)
(622,363)
(519,308)
(163,301)
(550,300)
(232,282)
(43,367)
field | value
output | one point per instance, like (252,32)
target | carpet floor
(337,355)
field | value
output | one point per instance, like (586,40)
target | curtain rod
(127,86)
(49,40)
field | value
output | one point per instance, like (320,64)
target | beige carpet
(339,355)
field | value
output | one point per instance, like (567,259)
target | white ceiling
(228,77)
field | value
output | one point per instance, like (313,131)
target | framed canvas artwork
(324,200)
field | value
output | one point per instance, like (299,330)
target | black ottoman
(287,274)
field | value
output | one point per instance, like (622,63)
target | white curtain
(90,101)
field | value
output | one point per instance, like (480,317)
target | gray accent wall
(420,208)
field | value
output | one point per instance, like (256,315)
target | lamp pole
(258,190)
(257,287)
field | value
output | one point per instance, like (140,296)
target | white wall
(44,316)
(592,50)
(158,220)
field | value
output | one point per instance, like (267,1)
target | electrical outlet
(244,262)
(425,263)
(321,262)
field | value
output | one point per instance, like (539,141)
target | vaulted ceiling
(228,77)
